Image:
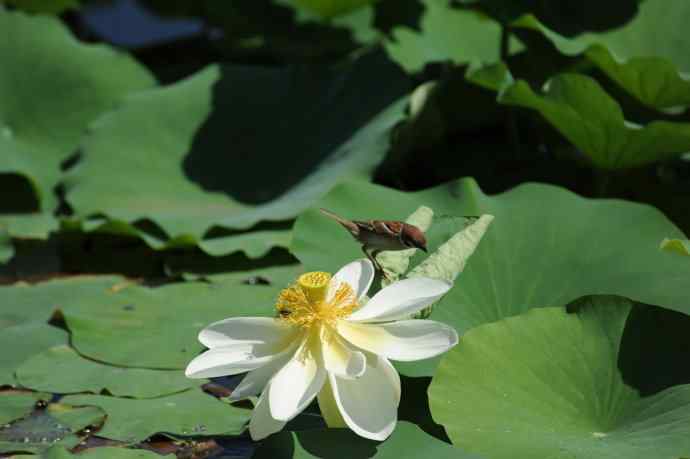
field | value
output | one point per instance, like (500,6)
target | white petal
(256,380)
(359,274)
(405,340)
(297,383)
(369,405)
(231,360)
(401,299)
(246,330)
(262,424)
(329,408)
(338,358)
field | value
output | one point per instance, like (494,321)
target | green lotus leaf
(36,303)
(407,442)
(447,34)
(676,245)
(276,269)
(232,145)
(448,261)
(44,6)
(650,64)
(15,405)
(448,234)
(61,370)
(592,120)
(452,241)
(157,327)
(57,425)
(253,243)
(567,18)
(331,8)
(35,337)
(106,452)
(28,226)
(6,247)
(23,226)
(547,385)
(532,256)
(44,111)
(189,413)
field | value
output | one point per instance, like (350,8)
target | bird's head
(413,237)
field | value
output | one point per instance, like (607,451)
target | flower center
(314,285)
(309,302)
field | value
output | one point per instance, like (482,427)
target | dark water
(127,24)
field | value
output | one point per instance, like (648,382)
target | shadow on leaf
(270,130)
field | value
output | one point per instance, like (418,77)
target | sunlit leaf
(190,413)
(330,8)
(158,327)
(676,245)
(22,226)
(51,88)
(545,247)
(255,244)
(60,452)
(448,261)
(592,120)
(30,225)
(547,385)
(232,146)
(61,370)
(35,337)
(647,57)
(25,303)
(447,34)
(407,442)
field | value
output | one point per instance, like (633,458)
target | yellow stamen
(308,302)
(314,285)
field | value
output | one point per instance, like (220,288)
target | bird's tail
(343,221)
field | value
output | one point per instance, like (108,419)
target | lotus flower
(328,341)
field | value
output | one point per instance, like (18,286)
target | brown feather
(348,224)
(394,227)
(413,236)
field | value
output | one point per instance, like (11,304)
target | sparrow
(381,235)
